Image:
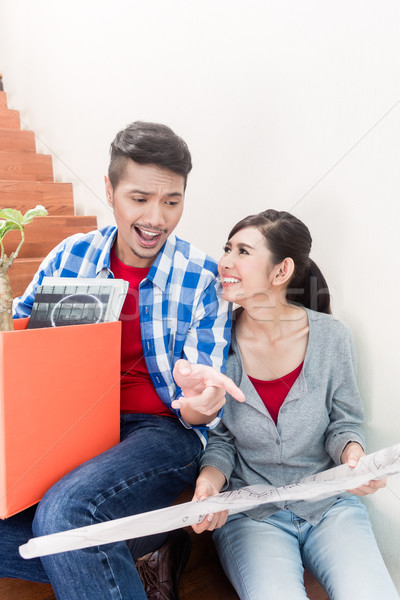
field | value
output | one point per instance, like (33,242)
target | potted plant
(11,219)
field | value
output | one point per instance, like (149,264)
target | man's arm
(207,343)
(204,390)
(22,306)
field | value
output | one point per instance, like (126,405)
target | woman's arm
(210,482)
(346,411)
(351,455)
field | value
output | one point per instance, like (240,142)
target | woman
(296,366)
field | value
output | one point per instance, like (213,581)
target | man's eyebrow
(143,193)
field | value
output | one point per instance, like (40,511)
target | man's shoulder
(97,238)
(195,258)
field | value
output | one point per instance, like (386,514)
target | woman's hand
(351,455)
(209,483)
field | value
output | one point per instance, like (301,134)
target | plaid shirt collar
(160,268)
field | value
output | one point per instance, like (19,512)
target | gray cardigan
(320,415)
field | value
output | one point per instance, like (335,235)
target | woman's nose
(227,261)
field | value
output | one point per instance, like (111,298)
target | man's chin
(146,253)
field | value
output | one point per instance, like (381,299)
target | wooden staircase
(26,179)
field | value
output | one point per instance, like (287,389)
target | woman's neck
(272,321)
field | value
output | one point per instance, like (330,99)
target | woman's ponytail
(311,290)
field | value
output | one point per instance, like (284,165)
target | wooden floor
(203,579)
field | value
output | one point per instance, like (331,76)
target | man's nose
(154,215)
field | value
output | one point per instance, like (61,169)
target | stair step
(25,166)
(3,102)
(21,274)
(9,119)
(57,198)
(44,233)
(17,140)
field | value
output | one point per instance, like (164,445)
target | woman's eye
(226,249)
(242,251)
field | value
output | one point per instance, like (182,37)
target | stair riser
(57,198)
(10,120)
(43,234)
(12,140)
(25,166)
(21,274)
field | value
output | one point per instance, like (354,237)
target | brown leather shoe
(160,570)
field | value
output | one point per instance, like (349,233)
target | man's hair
(148,144)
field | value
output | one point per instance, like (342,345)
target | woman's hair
(287,237)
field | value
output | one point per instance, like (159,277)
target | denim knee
(60,510)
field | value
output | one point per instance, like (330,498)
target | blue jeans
(264,559)
(156,459)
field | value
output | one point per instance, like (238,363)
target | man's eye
(140,200)
(172,203)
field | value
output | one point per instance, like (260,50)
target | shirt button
(277,442)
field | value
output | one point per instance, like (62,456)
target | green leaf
(38,211)
(12,216)
(5,227)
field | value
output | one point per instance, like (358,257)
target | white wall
(287,104)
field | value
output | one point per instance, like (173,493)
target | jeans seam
(116,586)
(236,563)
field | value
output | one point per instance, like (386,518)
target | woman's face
(246,269)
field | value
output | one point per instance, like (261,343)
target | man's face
(147,204)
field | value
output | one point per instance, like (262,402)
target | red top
(273,393)
(138,394)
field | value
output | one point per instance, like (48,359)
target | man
(172,311)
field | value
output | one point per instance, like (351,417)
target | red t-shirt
(138,394)
(273,393)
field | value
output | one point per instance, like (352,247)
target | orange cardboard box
(59,405)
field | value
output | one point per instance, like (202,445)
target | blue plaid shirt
(181,311)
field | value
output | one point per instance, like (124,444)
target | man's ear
(283,271)
(109,191)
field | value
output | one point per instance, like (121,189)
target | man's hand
(209,483)
(204,391)
(351,455)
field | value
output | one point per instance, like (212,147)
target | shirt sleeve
(22,306)
(208,337)
(220,452)
(347,414)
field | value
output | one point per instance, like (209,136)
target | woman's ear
(283,272)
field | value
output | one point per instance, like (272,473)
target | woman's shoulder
(327,325)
